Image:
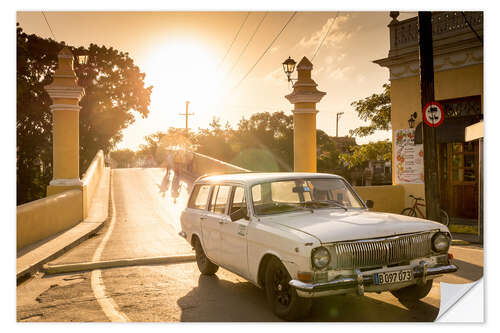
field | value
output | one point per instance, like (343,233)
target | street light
(288,68)
(82,57)
(337,123)
(411,121)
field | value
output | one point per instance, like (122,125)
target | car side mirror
(369,203)
(238,214)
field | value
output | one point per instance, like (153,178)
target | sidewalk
(465,239)
(31,259)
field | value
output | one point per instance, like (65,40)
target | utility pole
(337,123)
(187,114)
(432,197)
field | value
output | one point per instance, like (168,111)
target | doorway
(458,172)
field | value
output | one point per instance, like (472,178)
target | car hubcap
(281,288)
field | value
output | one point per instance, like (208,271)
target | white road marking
(107,303)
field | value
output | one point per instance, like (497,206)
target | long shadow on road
(219,300)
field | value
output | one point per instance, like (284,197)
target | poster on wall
(409,158)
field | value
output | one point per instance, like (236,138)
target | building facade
(458,84)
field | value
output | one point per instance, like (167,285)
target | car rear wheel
(414,292)
(282,297)
(205,266)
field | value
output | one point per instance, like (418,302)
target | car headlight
(320,257)
(440,242)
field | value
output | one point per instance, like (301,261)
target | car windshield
(302,194)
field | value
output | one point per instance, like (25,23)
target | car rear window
(199,197)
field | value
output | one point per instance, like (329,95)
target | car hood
(335,225)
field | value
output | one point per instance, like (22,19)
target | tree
(158,143)
(215,141)
(380,150)
(114,87)
(124,158)
(376,109)
(268,138)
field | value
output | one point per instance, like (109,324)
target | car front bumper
(358,282)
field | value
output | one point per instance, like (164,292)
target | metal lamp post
(337,123)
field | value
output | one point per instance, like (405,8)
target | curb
(460,242)
(27,271)
(88,266)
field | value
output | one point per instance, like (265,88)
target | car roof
(250,178)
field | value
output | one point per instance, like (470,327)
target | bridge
(106,247)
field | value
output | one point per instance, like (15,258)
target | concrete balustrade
(46,217)
(91,180)
(203,164)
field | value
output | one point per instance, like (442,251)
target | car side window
(220,198)
(199,197)
(239,201)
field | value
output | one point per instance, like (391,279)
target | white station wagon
(305,235)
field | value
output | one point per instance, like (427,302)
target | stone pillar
(304,98)
(65,94)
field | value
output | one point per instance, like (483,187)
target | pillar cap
(304,90)
(305,65)
(65,83)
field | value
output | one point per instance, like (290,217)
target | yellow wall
(405,99)
(386,198)
(42,218)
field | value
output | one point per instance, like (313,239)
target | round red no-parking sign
(433,114)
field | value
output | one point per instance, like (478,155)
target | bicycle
(412,211)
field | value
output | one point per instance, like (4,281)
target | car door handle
(203,217)
(222,222)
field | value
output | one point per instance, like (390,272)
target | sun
(184,70)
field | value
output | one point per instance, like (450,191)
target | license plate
(393,277)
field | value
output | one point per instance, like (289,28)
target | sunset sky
(182,52)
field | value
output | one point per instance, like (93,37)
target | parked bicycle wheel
(409,212)
(445,219)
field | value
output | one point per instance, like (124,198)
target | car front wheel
(282,297)
(205,266)
(413,293)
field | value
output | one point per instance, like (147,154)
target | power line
(234,39)
(49,25)
(324,37)
(248,43)
(267,49)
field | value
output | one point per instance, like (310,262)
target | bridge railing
(91,180)
(202,164)
(40,219)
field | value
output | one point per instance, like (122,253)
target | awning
(451,130)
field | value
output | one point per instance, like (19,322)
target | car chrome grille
(380,252)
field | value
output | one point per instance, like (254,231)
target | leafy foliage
(124,158)
(114,87)
(376,109)
(380,150)
(263,142)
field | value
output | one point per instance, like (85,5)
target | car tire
(205,266)
(282,297)
(413,293)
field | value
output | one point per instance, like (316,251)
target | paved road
(146,224)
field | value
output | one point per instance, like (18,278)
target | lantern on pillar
(289,67)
